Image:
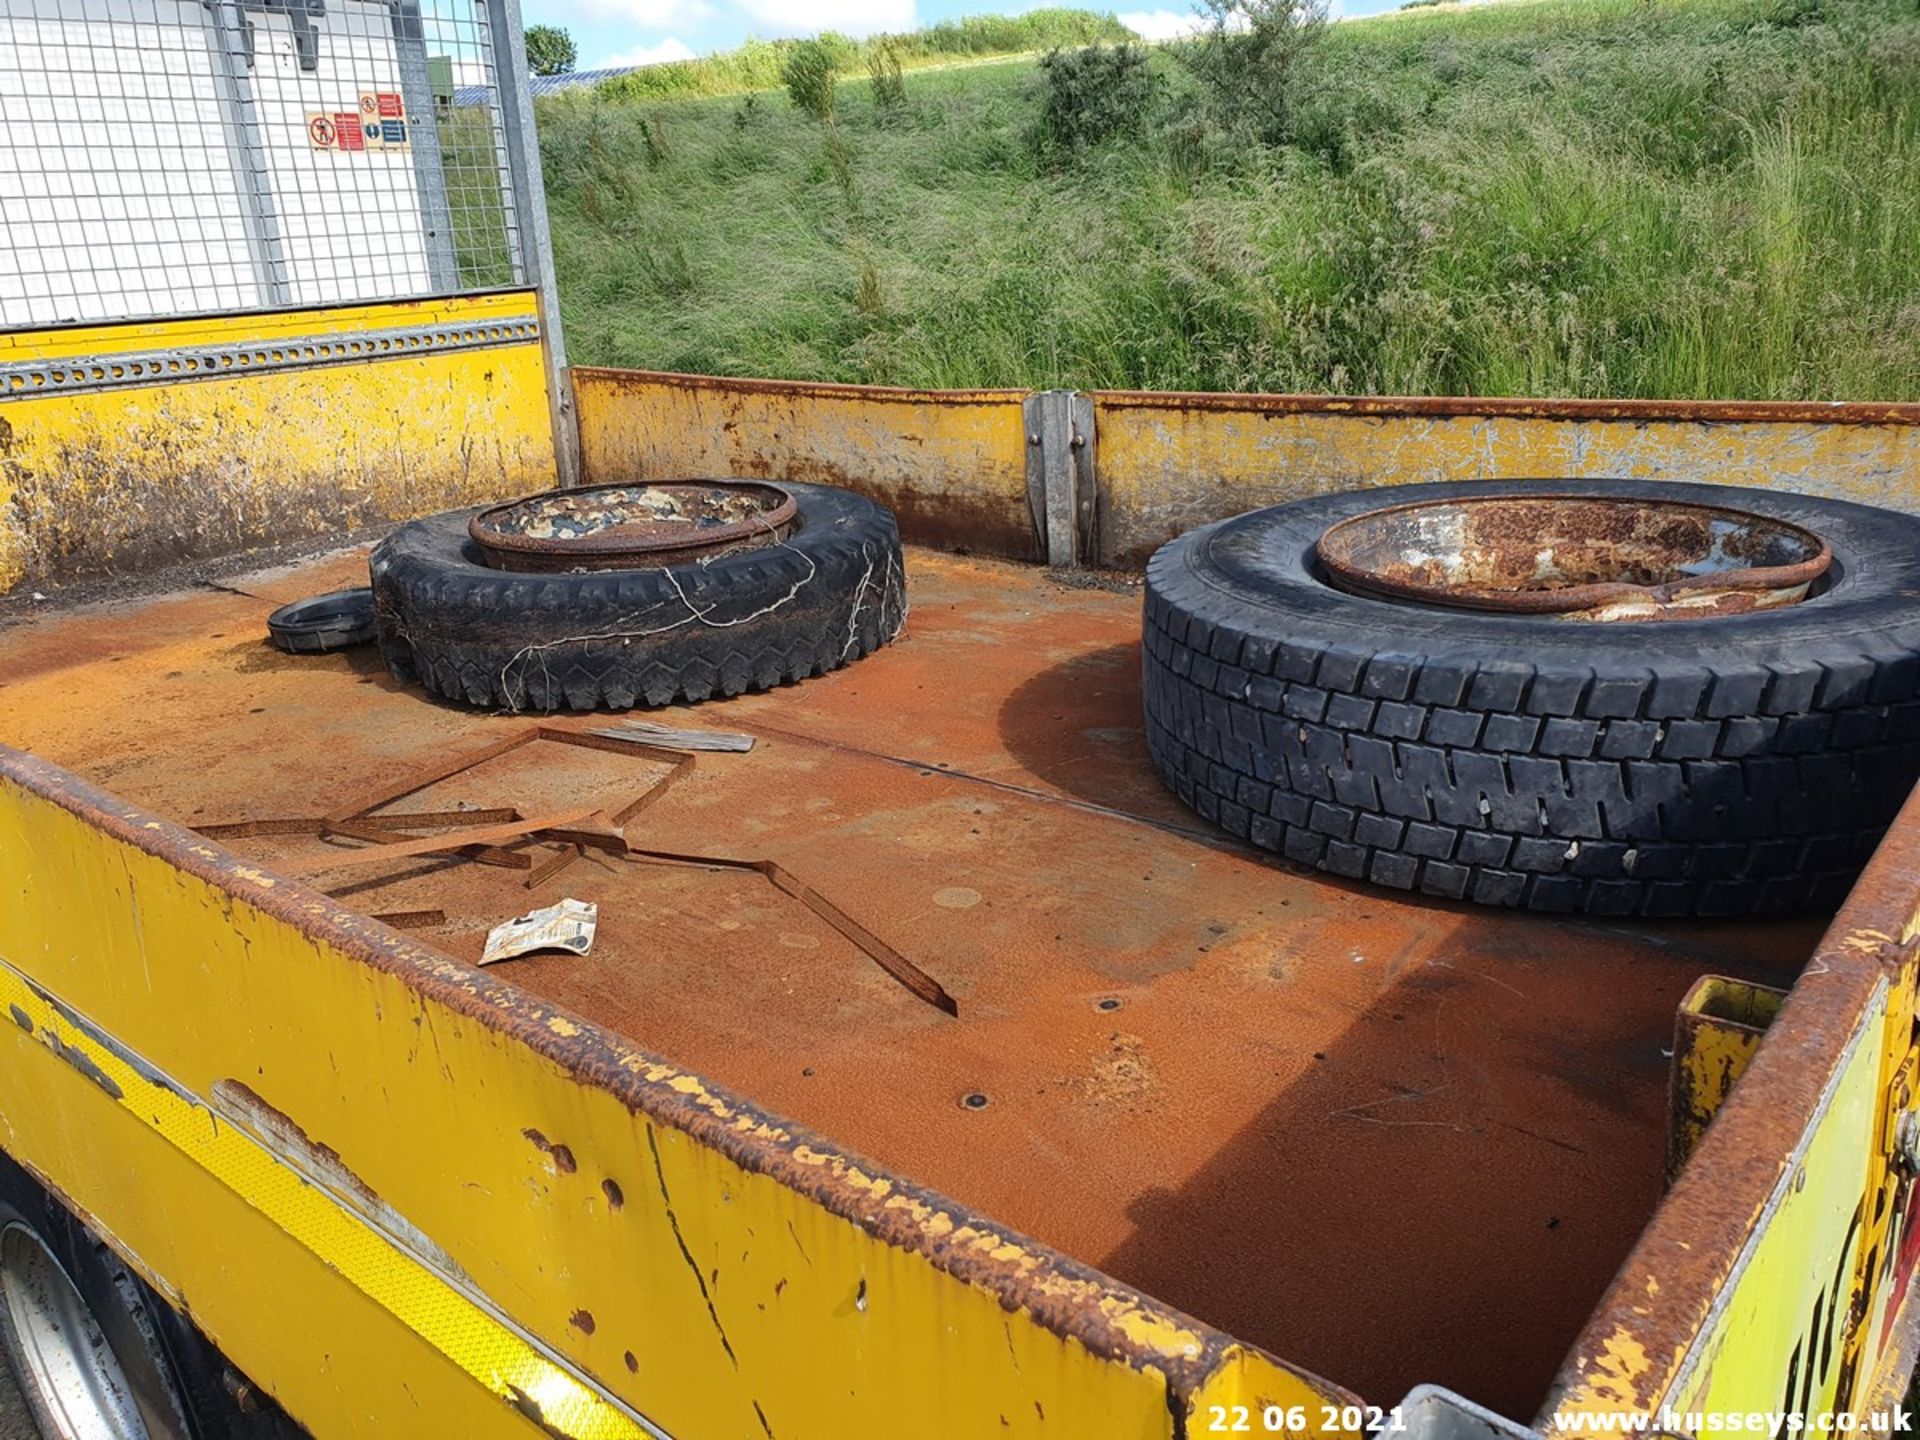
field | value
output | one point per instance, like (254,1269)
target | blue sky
(638,32)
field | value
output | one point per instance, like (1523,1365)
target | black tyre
(323,623)
(1740,764)
(95,1351)
(832,591)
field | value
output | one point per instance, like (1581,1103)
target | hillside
(1570,197)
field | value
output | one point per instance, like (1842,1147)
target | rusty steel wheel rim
(635,525)
(1576,557)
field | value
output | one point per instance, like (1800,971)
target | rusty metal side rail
(982,469)
(1703,412)
(701,1259)
(951,464)
(1168,463)
(1770,1275)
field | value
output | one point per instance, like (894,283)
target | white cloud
(665,52)
(1164,24)
(850,17)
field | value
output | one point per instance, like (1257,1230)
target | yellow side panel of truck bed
(656,1243)
(133,446)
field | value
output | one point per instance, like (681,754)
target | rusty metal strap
(318,825)
(380,834)
(482,834)
(785,881)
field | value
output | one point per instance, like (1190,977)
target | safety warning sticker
(346,130)
(383,119)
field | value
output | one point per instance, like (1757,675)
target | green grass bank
(1641,198)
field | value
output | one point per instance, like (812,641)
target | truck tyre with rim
(1743,763)
(832,591)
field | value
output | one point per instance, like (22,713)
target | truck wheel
(72,1378)
(831,591)
(95,1351)
(1688,762)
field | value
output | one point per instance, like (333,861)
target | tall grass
(1574,197)
(757,65)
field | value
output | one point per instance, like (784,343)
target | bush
(889,87)
(1093,95)
(808,76)
(1251,60)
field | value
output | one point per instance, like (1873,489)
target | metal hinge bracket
(1062,490)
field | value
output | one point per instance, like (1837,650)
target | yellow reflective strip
(419,1297)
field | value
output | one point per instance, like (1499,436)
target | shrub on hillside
(889,86)
(1092,95)
(1252,60)
(808,76)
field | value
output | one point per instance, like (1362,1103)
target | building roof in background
(544,84)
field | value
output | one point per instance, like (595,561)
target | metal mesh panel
(172,157)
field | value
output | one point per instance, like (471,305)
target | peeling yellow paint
(1173,1341)
(116,480)
(1615,1373)
(1866,942)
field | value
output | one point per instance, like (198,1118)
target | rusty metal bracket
(1433,1412)
(1062,488)
(1716,1030)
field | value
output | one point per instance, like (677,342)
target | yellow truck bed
(1392,1140)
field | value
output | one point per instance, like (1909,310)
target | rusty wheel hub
(629,527)
(1576,557)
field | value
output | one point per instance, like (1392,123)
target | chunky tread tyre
(833,591)
(1741,765)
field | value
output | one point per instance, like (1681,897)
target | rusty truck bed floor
(1388,1139)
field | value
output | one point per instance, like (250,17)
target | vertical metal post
(232,47)
(530,213)
(1061,483)
(423,131)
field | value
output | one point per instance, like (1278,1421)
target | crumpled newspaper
(567,926)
